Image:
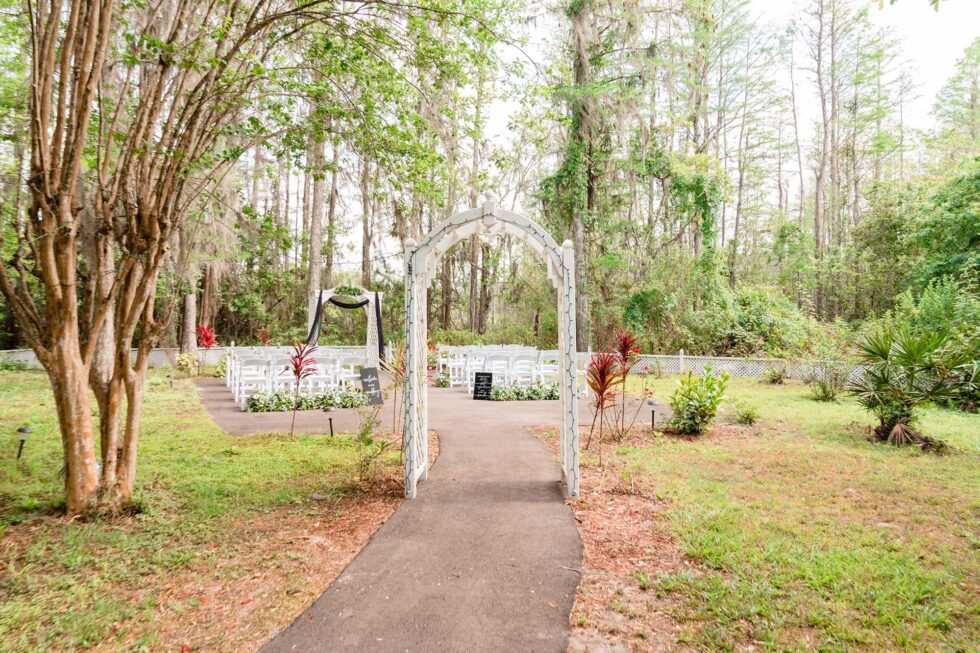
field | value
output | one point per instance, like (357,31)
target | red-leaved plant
(603,375)
(302,365)
(624,346)
(207,340)
(264,338)
(206,337)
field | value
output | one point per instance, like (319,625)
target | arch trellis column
(421,261)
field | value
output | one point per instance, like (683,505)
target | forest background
(732,185)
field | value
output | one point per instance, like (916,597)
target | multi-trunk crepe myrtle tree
(136,112)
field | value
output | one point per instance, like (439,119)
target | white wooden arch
(371,351)
(421,260)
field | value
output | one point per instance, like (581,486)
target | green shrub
(945,305)
(221,368)
(696,400)
(745,413)
(827,379)
(9,365)
(442,380)
(533,392)
(187,364)
(775,375)
(965,382)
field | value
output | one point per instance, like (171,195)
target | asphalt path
(486,558)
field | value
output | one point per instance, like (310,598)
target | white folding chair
(475,360)
(252,376)
(325,376)
(499,364)
(348,369)
(547,370)
(523,368)
(456,366)
(282,374)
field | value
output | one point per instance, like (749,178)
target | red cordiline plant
(264,338)
(626,350)
(302,365)
(603,375)
(207,340)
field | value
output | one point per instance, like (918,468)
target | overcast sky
(932,40)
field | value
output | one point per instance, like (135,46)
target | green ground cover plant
(284,400)
(695,401)
(532,392)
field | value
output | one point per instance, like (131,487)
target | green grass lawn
(70,586)
(807,536)
(814,538)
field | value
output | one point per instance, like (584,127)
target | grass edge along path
(233,535)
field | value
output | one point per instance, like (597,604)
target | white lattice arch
(371,350)
(420,269)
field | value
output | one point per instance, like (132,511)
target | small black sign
(371,385)
(482,385)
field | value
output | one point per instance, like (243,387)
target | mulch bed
(627,544)
(269,569)
(272,567)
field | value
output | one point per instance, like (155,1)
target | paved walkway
(484,559)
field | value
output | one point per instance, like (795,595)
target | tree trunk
(583,136)
(366,204)
(796,137)
(315,255)
(306,204)
(445,309)
(486,288)
(69,382)
(733,250)
(474,322)
(188,323)
(258,172)
(135,380)
(332,218)
(825,142)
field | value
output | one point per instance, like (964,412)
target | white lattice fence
(667,365)
(167,356)
(734,367)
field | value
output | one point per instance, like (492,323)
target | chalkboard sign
(371,385)
(482,385)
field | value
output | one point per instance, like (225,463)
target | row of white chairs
(513,364)
(248,373)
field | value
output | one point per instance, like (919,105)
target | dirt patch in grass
(626,547)
(177,578)
(265,573)
(272,568)
(237,589)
